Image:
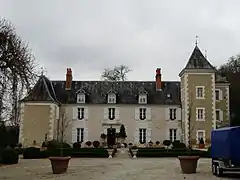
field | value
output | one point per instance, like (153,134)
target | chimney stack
(68,85)
(158,80)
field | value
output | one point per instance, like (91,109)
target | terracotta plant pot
(201,146)
(188,164)
(59,164)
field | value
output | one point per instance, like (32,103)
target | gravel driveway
(106,169)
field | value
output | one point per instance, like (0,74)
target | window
(111,98)
(200,114)
(200,135)
(172,135)
(200,92)
(111,113)
(217,94)
(81,98)
(172,113)
(142,113)
(218,115)
(142,99)
(142,135)
(80,133)
(80,113)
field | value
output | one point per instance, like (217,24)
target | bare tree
(17,71)
(118,73)
(63,124)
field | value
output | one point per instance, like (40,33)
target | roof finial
(196,40)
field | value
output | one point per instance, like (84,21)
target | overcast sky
(90,35)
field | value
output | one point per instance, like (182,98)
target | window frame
(172,114)
(111,98)
(172,134)
(80,135)
(197,114)
(81,98)
(142,113)
(197,92)
(203,135)
(219,94)
(80,113)
(142,97)
(111,113)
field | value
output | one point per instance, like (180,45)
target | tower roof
(197,61)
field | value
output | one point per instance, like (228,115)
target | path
(106,169)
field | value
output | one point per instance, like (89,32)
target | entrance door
(111,136)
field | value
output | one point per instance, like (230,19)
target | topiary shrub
(167,143)
(44,144)
(9,156)
(31,153)
(96,144)
(76,145)
(88,143)
(178,145)
(157,142)
(54,144)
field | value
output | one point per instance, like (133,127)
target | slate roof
(96,91)
(198,61)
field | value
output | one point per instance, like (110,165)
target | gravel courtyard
(106,169)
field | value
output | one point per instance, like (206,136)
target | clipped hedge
(36,153)
(160,152)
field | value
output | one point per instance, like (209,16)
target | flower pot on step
(110,152)
(134,151)
(59,164)
(188,164)
(201,146)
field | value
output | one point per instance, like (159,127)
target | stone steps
(123,154)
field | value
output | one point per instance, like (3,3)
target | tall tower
(198,98)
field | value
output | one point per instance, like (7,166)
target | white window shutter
(149,134)
(75,113)
(137,113)
(136,138)
(105,113)
(149,114)
(117,114)
(167,112)
(86,113)
(179,114)
(220,94)
(85,135)
(204,113)
(74,135)
(221,115)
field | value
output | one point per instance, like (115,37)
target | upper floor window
(172,113)
(81,98)
(200,113)
(200,92)
(218,94)
(80,113)
(142,99)
(111,98)
(111,113)
(142,113)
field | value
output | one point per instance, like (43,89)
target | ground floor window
(80,134)
(172,135)
(142,135)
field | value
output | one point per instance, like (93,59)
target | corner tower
(198,98)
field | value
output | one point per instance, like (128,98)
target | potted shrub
(157,143)
(76,145)
(122,133)
(201,143)
(130,145)
(88,143)
(60,163)
(189,162)
(134,151)
(103,137)
(167,143)
(96,144)
(9,156)
(110,151)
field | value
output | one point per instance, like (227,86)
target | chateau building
(184,110)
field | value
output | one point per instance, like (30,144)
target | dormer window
(81,98)
(142,99)
(111,98)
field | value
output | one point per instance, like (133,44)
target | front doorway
(111,132)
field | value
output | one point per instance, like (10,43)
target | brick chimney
(158,80)
(68,85)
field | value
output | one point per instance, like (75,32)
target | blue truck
(225,150)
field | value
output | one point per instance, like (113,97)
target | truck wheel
(219,171)
(214,169)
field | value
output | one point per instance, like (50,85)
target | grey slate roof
(96,91)
(198,61)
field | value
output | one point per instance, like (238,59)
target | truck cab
(225,150)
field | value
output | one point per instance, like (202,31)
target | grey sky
(90,35)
